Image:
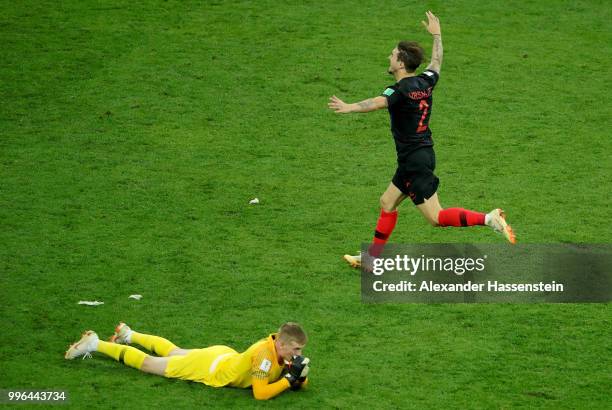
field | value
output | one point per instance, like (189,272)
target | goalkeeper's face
(289,349)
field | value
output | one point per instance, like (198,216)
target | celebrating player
(409,102)
(270,366)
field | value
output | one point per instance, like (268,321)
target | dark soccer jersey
(409,102)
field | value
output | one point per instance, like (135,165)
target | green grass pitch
(133,135)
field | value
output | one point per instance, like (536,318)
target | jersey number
(423,106)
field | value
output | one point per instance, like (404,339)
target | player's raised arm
(371,104)
(433,26)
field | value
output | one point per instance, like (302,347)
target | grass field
(132,137)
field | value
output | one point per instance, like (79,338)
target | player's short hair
(411,54)
(292,332)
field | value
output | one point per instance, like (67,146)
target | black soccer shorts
(415,175)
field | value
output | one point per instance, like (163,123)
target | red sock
(460,217)
(384,227)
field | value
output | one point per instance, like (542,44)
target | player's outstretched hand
(298,371)
(339,106)
(433,24)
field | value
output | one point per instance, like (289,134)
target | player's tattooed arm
(436,54)
(433,26)
(367,105)
(371,104)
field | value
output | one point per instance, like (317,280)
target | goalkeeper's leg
(134,358)
(155,344)
(128,355)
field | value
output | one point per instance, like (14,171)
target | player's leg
(424,185)
(127,355)
(155,365)
(430,208)
(389,201)
(156,344)
(391,198)
(180,352)
(437,216)
(459,217)
(133,357)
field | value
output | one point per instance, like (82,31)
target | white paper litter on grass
(137,297)
(90,302)
(254,201)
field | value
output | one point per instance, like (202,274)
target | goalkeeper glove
(297,371)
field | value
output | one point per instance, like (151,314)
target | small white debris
(90,303)
(137,297)
(254,201)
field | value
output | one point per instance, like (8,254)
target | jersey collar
(272,345)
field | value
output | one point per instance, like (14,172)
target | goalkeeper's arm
(262,390)
(295,378)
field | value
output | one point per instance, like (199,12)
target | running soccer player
(270,366)
(409,102)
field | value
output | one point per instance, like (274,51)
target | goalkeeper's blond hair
(292,332)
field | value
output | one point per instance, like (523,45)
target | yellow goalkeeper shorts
(198,365)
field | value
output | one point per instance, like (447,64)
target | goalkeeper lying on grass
(270,366)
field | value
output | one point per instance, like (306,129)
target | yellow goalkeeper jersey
(220,366)
(259,361)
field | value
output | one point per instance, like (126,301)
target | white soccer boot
(354,261)
(123,334)
(496,219)
(87,344)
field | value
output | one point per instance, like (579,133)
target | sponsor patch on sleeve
(388,91)
(429,73)
(265,365)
